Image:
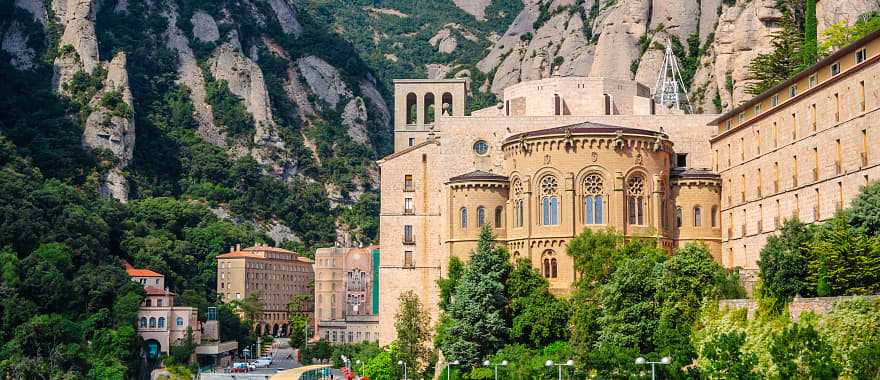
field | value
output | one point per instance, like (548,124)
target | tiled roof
(266,248)
(135,272)
(154,291)
(478,175)
(582,128)
(239,254)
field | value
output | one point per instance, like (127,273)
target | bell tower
(419,104)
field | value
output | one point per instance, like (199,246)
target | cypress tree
(479,317)
(810,51)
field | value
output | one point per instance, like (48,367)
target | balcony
(408,188)
(409,240)
(864,157)
(838,167)
(409,211)
(815,174)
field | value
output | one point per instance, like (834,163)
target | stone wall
(798,306)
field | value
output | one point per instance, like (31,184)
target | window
(161,322)
(518,213)
(143,323)
(636,200)
(814,80)
(408,259)
(159,302)
(149,302)
(594,203)
(152,322)
(412,141)
(835,68)
(678,217)
(714,216)
(861,55)
(463,217)
(481,216)
(729,124)
(698,217)
(792,91)
(408,206)
(549,201)
(498,215)
(681,160)
(550,270)
(408,234)
(481,147)
(757,109)
(179,321)
(741,118)
(862,96)
(408,183)
(774,100)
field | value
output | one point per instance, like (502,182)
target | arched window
(152,322)
(518,213)
(149,302)
(594,203)
(698,216)
(180,321)
(463,217)
(498,215)
(557,107)
(553,273)
(636,200)
(678,217)
(481,216)
(546,267)
(429,109)
(446,101)
(411,108)
(143,322)
(714,216)
(549,201)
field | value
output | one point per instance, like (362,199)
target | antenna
(669,89)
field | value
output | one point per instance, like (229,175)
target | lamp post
(503,363)
(550,363)
(665,361)
(448,364)
(360,364)
(403,363)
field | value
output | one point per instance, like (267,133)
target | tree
(841,34)
(799,352)
(299,319)
(411,324)
(447,285)
(724,358)
(537,316)
(479,319)
(783,264)
(769,69)
(843,260)
(865,210)
(250,306)
(595,254)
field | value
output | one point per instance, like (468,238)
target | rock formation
(16,44)
(78,43)
(477,8)
(323,79)
(204,27)
(286,17)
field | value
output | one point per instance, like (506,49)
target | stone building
(802,149)
(277,274)
(561,154)
(347,294)
(160,323)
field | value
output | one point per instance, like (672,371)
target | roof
(694,173)
(582,128)
(797,77)
(239,254)
(252,253)
(135,272)
(478,175)
(407,150)
(154,291)
(266,248)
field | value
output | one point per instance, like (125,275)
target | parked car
(240,368)
(263,362)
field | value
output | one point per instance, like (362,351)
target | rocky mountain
(190,98)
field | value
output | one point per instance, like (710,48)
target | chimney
(238,247)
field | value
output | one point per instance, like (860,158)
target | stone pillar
(527,211)
(617,213)
(420,110)
(657,200)
(570,197)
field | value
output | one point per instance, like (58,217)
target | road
(280,362)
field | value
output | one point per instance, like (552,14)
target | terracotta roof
(694,173)
(154,291)
(135,272)
(582,128)
(478,175)
(239,254)
(266,248)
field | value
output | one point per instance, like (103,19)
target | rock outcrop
(832,12)
(36,8)
(204,27)
(477,8)
(78,43)
(354,118)
(110,126)
(286,16)
(323,79)
(16,44)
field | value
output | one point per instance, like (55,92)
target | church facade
(563,154)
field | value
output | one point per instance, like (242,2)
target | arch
(143,323)
(152,322)
(546,268)
(499,212)
(153,348)
(593,193)
(636,189)
(411,108)
(549,190)
(463,217)
(678,216)
(284,330)
(161,322)
(446,104)
(430,109)
(714,216)
(553,273)
(481,216)
(698,216)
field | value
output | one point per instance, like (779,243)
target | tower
(669,89)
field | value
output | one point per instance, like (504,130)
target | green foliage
(113,101)
(800,352)
(865,211)
(810,49)
(783,262)
(852,328)
(595,254)
(411,325)
(229,110)
(841,34)
(536,314)
(299,319)
(478,314)
(769,69)
(448,284)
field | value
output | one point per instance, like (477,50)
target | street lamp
(403,363)
(641,361)
(503,363)
(361,364)
(448,364)
(569,363)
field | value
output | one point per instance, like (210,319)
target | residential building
(347,294)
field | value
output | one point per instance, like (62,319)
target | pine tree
(479,317)
(786,59)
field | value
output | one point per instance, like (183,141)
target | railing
(409,240)
(409,188)
(408,211)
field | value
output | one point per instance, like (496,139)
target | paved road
(280,362)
